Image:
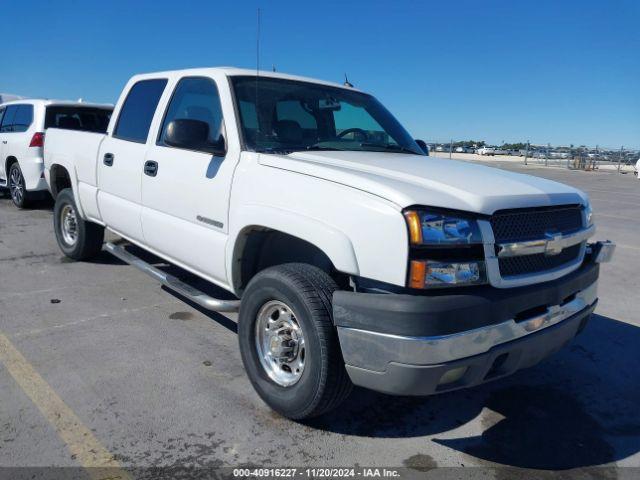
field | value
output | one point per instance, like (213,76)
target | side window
(138,109)
(1,114)
(23,118)
(195,114)
(7,120)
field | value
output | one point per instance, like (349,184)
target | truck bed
(80,149)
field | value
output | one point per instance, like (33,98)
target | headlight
(433,273)
(588,214)
(432,228)
(442,266)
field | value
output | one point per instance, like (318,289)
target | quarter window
(138,110)
(23,118)
(196,98)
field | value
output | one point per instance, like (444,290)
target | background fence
(583,157)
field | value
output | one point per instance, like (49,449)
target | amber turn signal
(417,274)
(415,229)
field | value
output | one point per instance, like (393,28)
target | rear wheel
(288,343)
(77,238)
(17,187)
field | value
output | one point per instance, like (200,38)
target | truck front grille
(531,224)
(534,223)
(538,262)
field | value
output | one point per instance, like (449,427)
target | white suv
(22,127)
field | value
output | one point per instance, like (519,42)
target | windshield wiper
(320,147)
(389,146)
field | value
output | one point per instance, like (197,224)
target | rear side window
(7,119)
(138,110)
(87,119)
(23,118)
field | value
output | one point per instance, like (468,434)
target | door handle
(108,159)
(151,168)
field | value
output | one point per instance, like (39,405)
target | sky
(560,72)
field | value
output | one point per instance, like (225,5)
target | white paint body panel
(348,204)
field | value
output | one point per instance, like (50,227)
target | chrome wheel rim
(280,343)
(16,186)
(69,225)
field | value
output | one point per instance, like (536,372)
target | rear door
(185,196)
(121,159)
(14,140)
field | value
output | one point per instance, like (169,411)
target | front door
(121,160)
(185,188)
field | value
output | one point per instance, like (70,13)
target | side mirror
(423,145)
(192,135)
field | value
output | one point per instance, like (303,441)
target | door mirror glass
(423,145)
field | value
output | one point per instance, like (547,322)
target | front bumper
(421,345)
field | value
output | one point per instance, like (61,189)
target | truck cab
(351,256)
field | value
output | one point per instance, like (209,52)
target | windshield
(293,116)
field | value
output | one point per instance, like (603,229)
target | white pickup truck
(352,257)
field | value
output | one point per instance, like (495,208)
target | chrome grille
(531,224)
(538,262)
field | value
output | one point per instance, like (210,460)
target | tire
(88,236)
(323,383)
(17,187)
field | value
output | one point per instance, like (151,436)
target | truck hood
(406,180)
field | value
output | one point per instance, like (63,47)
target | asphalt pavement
(99,359)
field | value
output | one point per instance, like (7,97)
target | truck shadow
(578,409)
(45,202)
(193,280)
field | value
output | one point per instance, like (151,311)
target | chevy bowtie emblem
(554,244)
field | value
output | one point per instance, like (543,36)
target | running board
(175,284)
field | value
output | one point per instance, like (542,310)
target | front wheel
(288,343)
(77,238)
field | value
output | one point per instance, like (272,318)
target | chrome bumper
(603,251)
(373,350)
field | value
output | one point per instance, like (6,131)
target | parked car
(636,169)
(350,261)
(23,124)
(486,151)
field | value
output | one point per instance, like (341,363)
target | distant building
(6,97)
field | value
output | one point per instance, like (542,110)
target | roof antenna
(346,82)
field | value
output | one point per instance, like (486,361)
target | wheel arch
(10,160)
(59,179)
(271,236)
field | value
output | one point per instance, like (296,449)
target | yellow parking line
(82,444)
